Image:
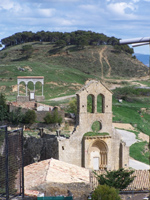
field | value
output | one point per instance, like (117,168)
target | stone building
(94,143)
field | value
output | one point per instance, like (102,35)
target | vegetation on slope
(67,65)
(140,151)
(79,38)
(64,69)
(135,108)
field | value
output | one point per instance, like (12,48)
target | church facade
(94,143)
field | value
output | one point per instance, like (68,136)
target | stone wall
(41,114)
(27,98)
(22,98)
(37,149)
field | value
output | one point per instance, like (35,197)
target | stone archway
(98,155)
(33,80)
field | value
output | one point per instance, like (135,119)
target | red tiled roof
(141,181)
(37,77)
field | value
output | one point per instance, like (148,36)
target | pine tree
(118,179)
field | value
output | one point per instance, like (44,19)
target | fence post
(6,163)
(22,162)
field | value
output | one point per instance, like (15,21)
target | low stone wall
(80,191)
(41,114)
(22,98)
(27,98)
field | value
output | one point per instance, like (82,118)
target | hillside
(65,69)
(143,58)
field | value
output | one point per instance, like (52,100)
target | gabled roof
(90,83)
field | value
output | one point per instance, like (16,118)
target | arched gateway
(98,155)
(31,96)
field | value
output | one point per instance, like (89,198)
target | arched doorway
(98,155)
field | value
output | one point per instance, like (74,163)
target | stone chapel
(100,149)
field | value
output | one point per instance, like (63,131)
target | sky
(123,19)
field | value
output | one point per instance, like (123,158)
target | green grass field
(140,152)
(131,113)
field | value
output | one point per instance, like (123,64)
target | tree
(118,179)
(61,43)
(29,117)
(3,100)
(104,192)
(72,107)
(3,107)
(81,41)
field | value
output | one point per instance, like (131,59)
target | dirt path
(101,57)
(123,126)
(130,138)
(101,61)
(62,98)
(133,81)
(109,70)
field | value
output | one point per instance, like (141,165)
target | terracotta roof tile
(53,171)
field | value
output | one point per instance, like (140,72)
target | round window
(96,126)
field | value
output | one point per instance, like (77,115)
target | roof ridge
(46,170)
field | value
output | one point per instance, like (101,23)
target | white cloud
(89,7)
(7,5)
(122,10)
(65,22)
(111,17)
(46,12)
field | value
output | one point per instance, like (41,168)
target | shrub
(3,100)
(104,192)
(72,107)
(29,117)
(3,107)
(15,116)
(3,113)
(27,50)
(130,91)
(53,117)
